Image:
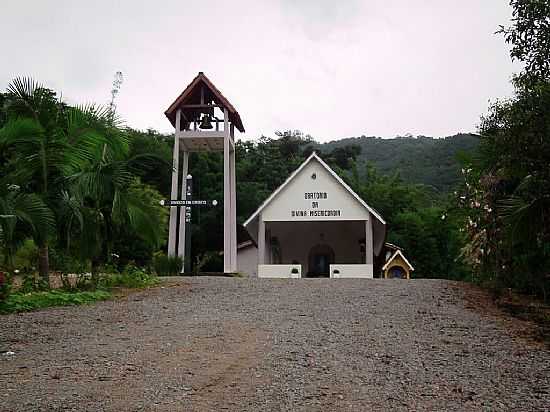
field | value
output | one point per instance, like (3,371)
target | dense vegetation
(507,188)
(69,188)
(79,192)
(421,159)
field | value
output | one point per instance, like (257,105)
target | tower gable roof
(192,95)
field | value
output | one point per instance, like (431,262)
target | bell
(205,122)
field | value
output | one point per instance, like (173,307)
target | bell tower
(204,120)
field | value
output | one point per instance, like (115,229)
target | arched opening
(397,272)
(320,259)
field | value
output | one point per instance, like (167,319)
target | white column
(227,261)
(172,232)
(261,240)
(233,217)
(369,254)
(181,235)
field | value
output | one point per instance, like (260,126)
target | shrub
(32,283)
(64,262)
(167,265)
(131,277)
(201,261)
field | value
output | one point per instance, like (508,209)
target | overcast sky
(331,68)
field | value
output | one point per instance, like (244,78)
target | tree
(507,191)
(50,143)
(21,213)
(33,132)
(529,36)
(109,198)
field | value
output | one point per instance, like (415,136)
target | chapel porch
(315,249)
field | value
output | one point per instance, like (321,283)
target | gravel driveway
(212,344)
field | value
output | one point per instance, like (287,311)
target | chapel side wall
(247,261)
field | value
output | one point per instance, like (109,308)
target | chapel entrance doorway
(320,259)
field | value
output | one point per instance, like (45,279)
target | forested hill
(418,160)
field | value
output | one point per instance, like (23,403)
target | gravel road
(214,344)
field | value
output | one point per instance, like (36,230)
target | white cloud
(332,69)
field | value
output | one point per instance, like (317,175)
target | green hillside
(418,160)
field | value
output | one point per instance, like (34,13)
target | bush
(64,262)
(23,302)
(32,283)
(201,261)
(131,277)
(167,265)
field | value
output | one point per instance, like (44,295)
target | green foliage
(506,192)
(5,286)
(529,36)
(21,214)
(74,173)
(23,302)
(63,261)
(201,261)
(131,277)
(33,284)
(131,242)
(420,160)
(420,221)
(167,265)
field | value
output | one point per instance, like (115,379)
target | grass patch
(24,302)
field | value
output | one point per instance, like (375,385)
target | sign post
(188,196)
(188,203)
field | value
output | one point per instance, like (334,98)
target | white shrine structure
(313,225)
(204,120)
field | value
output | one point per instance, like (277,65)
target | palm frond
(26,133)
(36,213)
(24,88)
(143,223)
(524,217)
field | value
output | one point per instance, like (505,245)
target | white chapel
(313,225)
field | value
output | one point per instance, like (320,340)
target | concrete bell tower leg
(233,217)
(172,232)
(227,263)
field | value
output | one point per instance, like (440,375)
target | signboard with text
(314,195)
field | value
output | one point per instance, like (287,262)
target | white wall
(247,261)
(279,271)
(294,198)
(351,271)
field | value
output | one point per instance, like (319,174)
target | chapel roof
(314,157)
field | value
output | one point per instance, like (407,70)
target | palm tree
(21,213)
(47,139)
(105,190)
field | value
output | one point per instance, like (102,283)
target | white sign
(314,195)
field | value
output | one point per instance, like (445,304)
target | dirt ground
(214,344)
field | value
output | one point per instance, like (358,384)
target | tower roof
(191,96)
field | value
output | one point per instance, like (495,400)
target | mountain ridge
(421,160)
